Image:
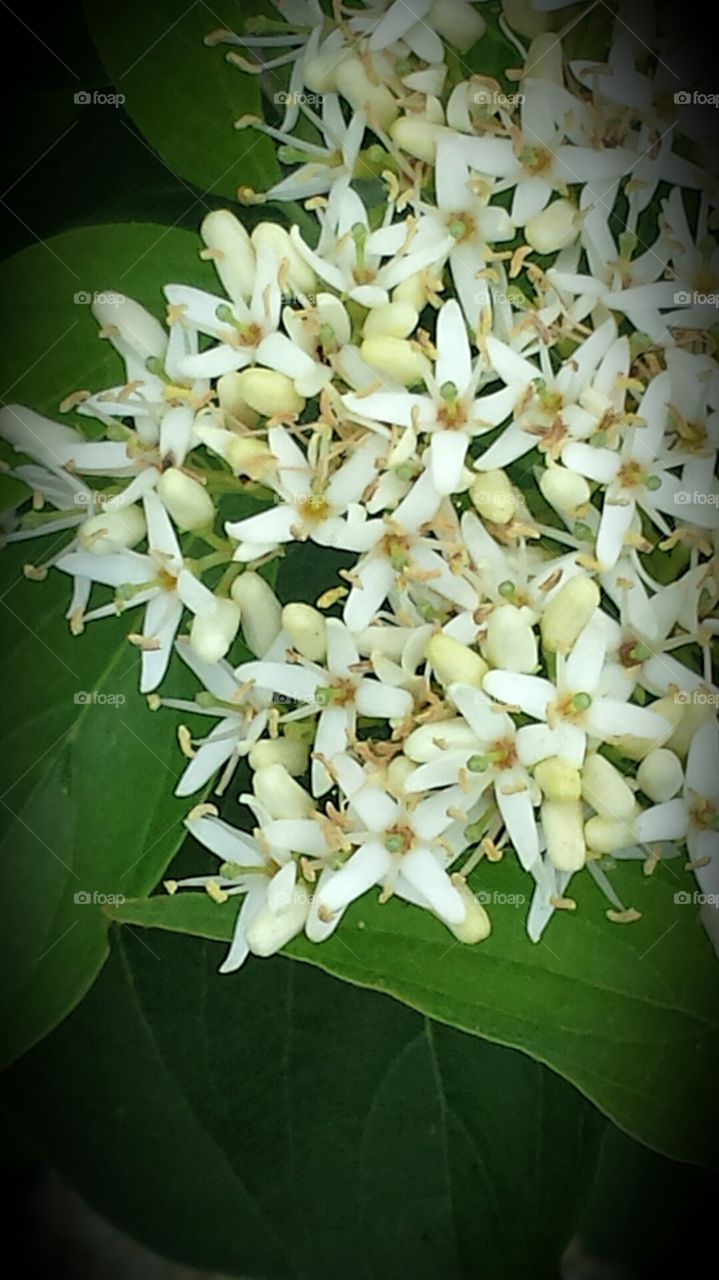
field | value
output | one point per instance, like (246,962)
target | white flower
(450,413)
(490,755)
(159,580)
(701,797)
(569,707)
(339,689)
(404,848)
(313,503)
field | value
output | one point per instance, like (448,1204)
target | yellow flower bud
(269,393)
(396,357)
(558,780)
(453,662)
(568,613)
(187,501)
(307,630)
(493,496)
(604,788)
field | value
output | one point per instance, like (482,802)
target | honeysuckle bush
(397,485)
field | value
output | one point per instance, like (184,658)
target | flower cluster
(502,412)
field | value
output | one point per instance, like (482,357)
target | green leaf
(87,804)
(627,1013)
(184,96)
(284,1125)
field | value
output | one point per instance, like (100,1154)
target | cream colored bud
(413,290)
(232,252)
(115,527)
(389,641)
(300,276)
(509,640)
(186,500)
(320,72)
(291,753)
(558,780)
(673,712)
(660,775)
(269,931)
(493,496)
(563,827)
(523,19)
(417,136)
(246,455)
(456,21)
(398,319)
(687,717)
(233,403)
(269,393)
(261,611)
(398,771)
(544,56)
(373,100)
(568,613)
(453,662)
(428,741)
(476,925)
(602,835)
(211,634)
(307,629)
(604,788)
(280,794)
(564,490)
(555,228)
(396,357)
(129,324)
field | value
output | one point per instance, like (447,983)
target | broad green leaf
(627,1013)
(87,804)
(290,1126)
(184,96)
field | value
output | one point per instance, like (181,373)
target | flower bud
(232,252)
(493,496)
(544,56)
(300,276)
(115,527)
(321,71)
(307,630)
(558,780)
(269,393)
(131,325)
(269,930)
(233,403)
(604,788)
(602,835)
(412,290)
(396,357)
(280,794)
(457,22)
(261,611)
(476,925)
(399,771)
(568,613)
(523,19)
(509,640)
(211,634)
(246,455)
(373,100)
(660,775)
(291,753)
(562,824)
(415,135)
(187,501)
(556,227)
(429,740)
(397,319)
(637,748)
(687,717)
(564,490)
(453,662)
